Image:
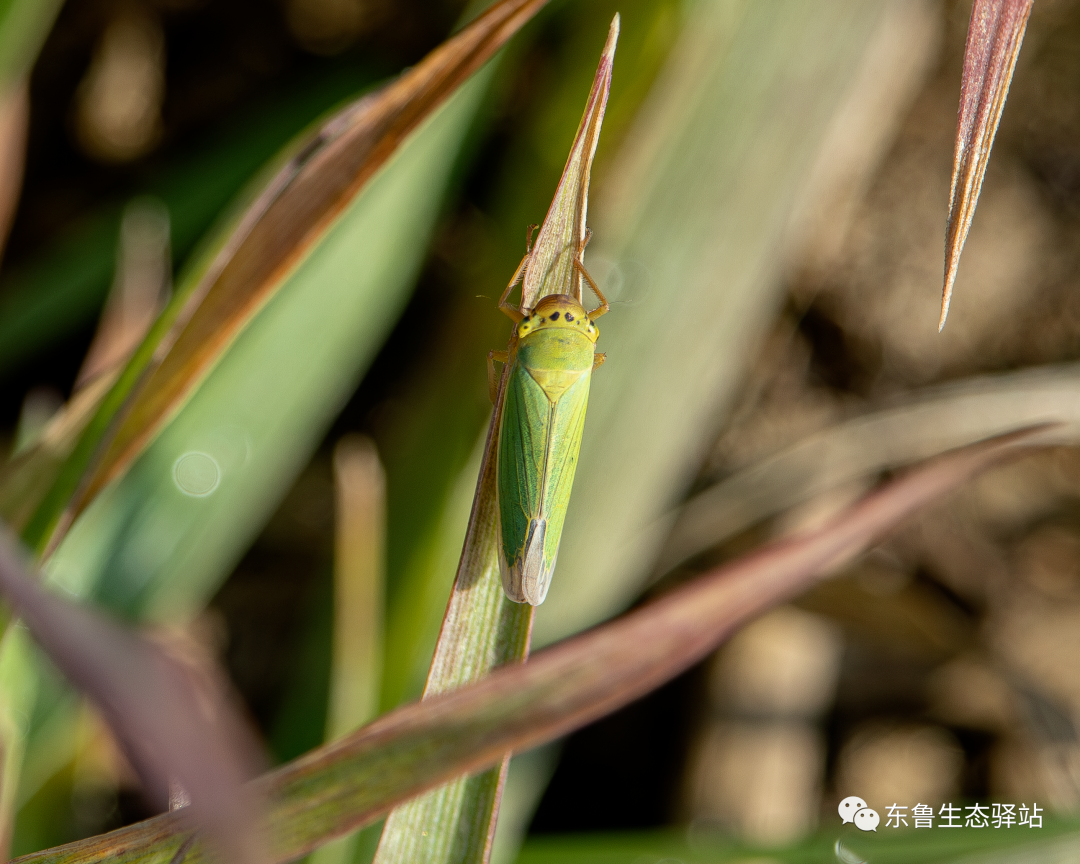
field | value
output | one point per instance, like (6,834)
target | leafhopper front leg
(493,379)
(505,307)
(598,360)
(604,305)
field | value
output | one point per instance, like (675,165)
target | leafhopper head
(558,311)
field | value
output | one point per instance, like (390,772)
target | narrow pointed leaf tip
(994,37)
(562,236)
(173,729)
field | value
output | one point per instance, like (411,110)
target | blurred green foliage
(24,25)
(60,290)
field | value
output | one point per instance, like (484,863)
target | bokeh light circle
(196,474)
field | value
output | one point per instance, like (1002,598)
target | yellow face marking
(558,311)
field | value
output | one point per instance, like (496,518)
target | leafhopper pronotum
(549,365)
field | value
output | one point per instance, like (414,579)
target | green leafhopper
(551,360)
(549,365)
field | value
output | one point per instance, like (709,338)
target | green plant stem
(481,630)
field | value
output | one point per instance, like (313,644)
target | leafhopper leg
(604,305)
(493,379)
(598,360)
(507,309)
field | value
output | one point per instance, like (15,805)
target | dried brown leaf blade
(928,422)
(296,208)
(169,728)
(352,782)
(995,34)
(561,240)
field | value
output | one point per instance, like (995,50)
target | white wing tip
(527,580)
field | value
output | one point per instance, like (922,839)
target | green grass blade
(352,782)
(236,419)
(359,582)
(23,478)
(18,683)
(294,213)
(482,629)
(24,24)
(256,418)
(64,286)
(358,586)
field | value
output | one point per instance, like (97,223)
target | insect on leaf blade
(538,454)
(482,628)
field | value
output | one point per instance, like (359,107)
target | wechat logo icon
(853,809)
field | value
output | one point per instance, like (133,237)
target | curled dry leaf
(354,781)
(172,729)
(292,213)
(993,44)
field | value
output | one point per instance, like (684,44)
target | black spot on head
(569,316)
(554,316)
